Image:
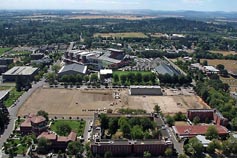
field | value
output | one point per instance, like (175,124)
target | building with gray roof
(73,69)
(164,68)
(28,72)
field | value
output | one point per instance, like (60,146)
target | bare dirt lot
(67,102)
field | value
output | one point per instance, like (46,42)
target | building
(73,69)
(3,96)
(36,56)
(3,68)
(58,142)
(125,147)
(105,73)
(33,124)
(206,115)
(189,131)
(27,72)
(210,70)
(6,61)
(164,68)
(145,90)
(202,139)
(128,147)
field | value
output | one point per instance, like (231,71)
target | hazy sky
(200,5)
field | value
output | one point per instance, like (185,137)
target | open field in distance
(225,53)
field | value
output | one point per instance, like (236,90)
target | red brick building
(128,148)
(33,124)
(207,114)
(189,131)
(58,142)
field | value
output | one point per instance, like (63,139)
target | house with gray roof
(73,69)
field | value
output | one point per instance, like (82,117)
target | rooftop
(203,140)
(31,118)
(166,69)
(74,67)
(106,71)
(211,68)
(197,130)
(3,94)
(21,70)
(142,87)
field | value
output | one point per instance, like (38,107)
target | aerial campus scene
(116,78)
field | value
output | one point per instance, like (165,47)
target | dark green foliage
(75,148)
(212,133)
(170,120)
(63,129)
(194,147)
(44,114)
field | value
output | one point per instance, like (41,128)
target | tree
(215,144)
(234,123)
(204,63)
(104,121)
(123,78)
(196,120)
(137,132)
(63,129)
(75,148)
(51,77)
(115,77)
(146,154)
(4,119)
(44,114)
(43,145)
(220,67)
(56,68)
(194,147)
(113,125)
(170,120)
(168,152)
(157,109)
(212,132)
(179,117)
(94,78)
(19,83)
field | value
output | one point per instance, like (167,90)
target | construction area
(84,102)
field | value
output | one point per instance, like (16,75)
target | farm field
(122,35)
(224,53)
(230,65)
(73,102)
(232,82)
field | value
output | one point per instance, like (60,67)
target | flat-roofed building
(210,70)
(145,90)
(28,72)
(105,73)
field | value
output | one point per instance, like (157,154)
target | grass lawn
(3,50)
(122,35)
(119,73)
(21,53)
(76,125)
(2,88)
(19,146)
(14,95)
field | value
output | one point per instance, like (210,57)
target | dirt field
(225,53)
(66,102)
(122,35)
(232,82)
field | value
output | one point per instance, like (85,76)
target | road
(14,109)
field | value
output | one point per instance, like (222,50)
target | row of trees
(175,79)
(134,78)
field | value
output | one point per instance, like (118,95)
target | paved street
(13,111)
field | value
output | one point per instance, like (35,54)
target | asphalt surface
(13,112)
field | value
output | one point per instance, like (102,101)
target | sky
(170,5)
